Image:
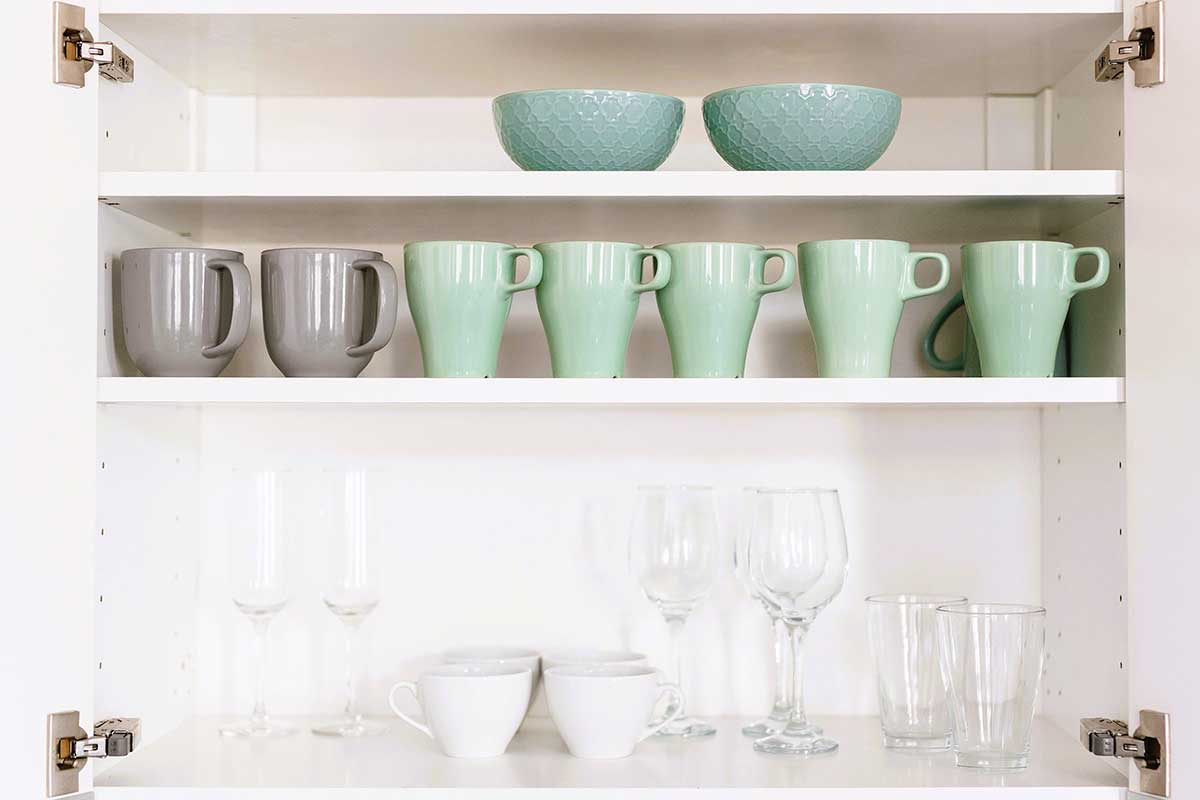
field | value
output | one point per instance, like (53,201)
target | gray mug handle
(239,324)
(385,322)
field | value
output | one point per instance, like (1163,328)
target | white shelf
(194,761)
(265,47)
(626,392)
(323,207)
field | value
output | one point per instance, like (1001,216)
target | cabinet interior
(507,525)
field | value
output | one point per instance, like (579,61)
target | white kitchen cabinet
(505,502)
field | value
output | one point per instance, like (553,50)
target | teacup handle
(785,279)
(1074,287)
(385,321)
(935,327)
(910,288)
(239,326)
(411,687)
(533,277)
(662,270)
(676,709)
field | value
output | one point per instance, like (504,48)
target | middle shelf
(756,392)
(927,206)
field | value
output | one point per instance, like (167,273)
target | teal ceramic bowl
(801,126)
(587,129)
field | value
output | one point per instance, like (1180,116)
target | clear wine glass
(797,561)
(351,585)
(673,553)
(258,571)
(781,706)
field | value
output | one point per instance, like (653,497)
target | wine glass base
(764,727)
(784,744)
(686,728)
(351,730)
(256,729)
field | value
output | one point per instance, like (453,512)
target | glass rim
(794,490)
(993,609)
(916,599)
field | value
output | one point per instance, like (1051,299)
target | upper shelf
(311,207)
(475,48)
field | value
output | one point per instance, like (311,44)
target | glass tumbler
(992,655)
(914,708)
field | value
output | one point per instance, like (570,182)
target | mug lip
(591,241)
(584,656)
(595,90)
(608,671)
(238,253)
(475,671)
(378,255)
(993,610)
(838,241)
(457,241)
(707,244)
(1067,245)
(916,599)
(487,654)
(858,87)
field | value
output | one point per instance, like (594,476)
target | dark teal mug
(967,361)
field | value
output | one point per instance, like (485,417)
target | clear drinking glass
(797,561)
(258,573)
(776,720)
(914,708)
(673,555)
(992,655)
(351,585)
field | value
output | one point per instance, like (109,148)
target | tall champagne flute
(673,554)
(258,571)
(797,560)
(781,706)
(351,585)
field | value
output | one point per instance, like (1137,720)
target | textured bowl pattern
(801,126)
(562,129)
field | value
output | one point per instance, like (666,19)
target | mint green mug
(709,305)
(1017,295)
(587,300)
(459,294)
(854,292)
(967,361)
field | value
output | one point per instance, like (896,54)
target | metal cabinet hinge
(1142,49)
(69,747)
(75,52)
(1148,746)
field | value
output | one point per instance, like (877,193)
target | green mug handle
(931,357)
(533,277)
(662,270)
(910,289)
(1073,255)
(785,279)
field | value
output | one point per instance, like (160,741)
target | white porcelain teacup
(471,710)
(501,656)
(604,711)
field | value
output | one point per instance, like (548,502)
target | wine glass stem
(783,667)
(675,627)
(353,670)
(259,715)
(797,632)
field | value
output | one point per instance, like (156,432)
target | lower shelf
(626,391)
(194,761)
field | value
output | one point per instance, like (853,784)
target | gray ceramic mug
(326,310)
(185,311)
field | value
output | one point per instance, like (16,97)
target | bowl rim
(872,89)
(630,92)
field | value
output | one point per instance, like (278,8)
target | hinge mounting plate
(1149,747)
(75,52)
(1144,49)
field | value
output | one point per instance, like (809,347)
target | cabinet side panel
(1096,326)
(1084,563)
(1087,119)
